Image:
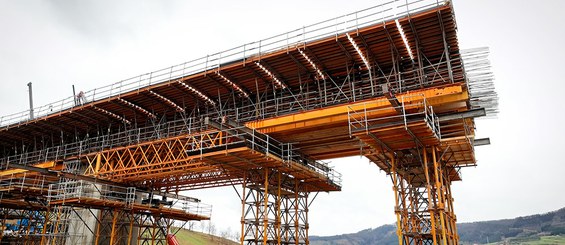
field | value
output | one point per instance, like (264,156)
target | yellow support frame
(274,209)
(154,159)
(337,114)
(423,202)
(48,164)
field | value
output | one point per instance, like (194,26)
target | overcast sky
(56,44)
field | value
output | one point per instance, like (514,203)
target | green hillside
(548,228)
(543,240)
(186,237)
(539,229)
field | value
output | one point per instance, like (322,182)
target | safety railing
(343,92)
(354,91)
(192,129)
(24,182)
(65,191)
(102,142)
(262,143)
(386,11)
(192,207)
(287,104)
(71,189)
(363,119)
(431,119)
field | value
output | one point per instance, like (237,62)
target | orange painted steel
(424,206)
(275,209)
(165,212)
(210,151)
(423,201)
(49,164)
(398,76)
(338,114)
(324,133)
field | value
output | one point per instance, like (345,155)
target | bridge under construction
(390,83)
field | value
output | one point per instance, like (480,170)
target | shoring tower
(388,82)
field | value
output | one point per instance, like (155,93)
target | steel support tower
(108,166)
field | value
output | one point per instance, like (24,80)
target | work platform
(389,83)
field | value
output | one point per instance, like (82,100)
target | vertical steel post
(74,95)
(278,209)
(396,199)
(306,225)
(296,221)
(439,190)
(266,208)
(44,230)
(57,223)
(113,231)
(130,232)
(3,223)
(30,100)
(431,202)
(243,197)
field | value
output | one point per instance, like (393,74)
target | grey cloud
(103,21)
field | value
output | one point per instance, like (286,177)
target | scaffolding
(381,13)
(274,211)
(69,211)
(388,82)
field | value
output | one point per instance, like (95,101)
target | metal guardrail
(23,182)
(357,90)
(287,153)
(190,128)
(354,91)
(377,14)
(360,120)
(66,190)
(274,107)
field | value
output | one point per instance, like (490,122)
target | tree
(203,226)
(191,225)
(211,229)
(236,236)
(226,234)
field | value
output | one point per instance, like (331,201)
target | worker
(81,98)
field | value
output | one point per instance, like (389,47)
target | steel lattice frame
(275,211)
(311,92)
(424,206)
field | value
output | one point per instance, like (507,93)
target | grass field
(186,237)
(547,240)
(544,240)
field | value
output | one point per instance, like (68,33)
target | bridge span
(389,83)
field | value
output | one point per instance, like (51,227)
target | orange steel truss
(274,209)
(389,84)
(424,205)
(212,157)
(112,226)
(405,140)
(82,212)
(156,159)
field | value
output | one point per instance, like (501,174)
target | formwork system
(388,82)
(59,210)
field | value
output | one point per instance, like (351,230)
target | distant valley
(548,228)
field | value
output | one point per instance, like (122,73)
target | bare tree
(236,236)
(191,225)
(226,234)
(203,226)
(211,229)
